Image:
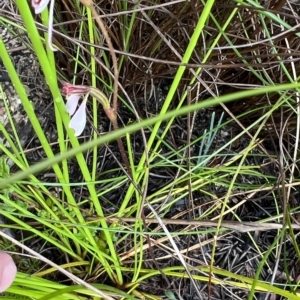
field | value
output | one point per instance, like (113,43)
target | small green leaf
(170,295)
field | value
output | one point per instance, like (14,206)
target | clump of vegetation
(185,185)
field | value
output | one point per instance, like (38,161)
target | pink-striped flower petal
(39,5)
(78,121)
(72,103)
(8,271)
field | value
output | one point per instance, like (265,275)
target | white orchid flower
(39,6)
(73,93)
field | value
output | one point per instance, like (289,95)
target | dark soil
(236,251)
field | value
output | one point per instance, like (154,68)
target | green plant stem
(58,101)
(89,4)
(172,91)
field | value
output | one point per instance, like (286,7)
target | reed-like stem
(111,112)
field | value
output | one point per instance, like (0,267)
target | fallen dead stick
(234,225)
(238,226)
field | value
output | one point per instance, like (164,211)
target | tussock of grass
(208,110)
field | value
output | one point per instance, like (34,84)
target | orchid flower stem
(95,93)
